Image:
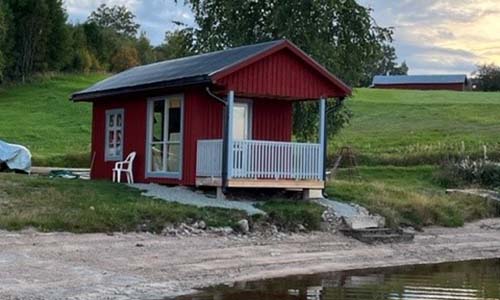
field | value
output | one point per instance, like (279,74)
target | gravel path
(185,195)
(145,266)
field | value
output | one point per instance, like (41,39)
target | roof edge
(178,83)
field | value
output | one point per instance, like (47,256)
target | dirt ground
(143,266)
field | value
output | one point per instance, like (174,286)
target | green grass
(93,206)
(408,195)
(40,116)
(420,127)
(100,206)
(287,214)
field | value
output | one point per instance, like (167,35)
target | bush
(469,172)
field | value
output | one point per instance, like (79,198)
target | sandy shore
(144,266)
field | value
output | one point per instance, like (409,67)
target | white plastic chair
(124,166)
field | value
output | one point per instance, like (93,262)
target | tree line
(36,37)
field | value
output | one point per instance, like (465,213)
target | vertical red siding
(272,120)
(202,120)
(134,135)
(280,74)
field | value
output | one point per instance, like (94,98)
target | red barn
(173,115)
(421,82)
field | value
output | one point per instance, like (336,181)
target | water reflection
(465,280)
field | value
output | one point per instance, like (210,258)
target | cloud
(445,36)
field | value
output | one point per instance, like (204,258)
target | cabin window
(114,135)
(165,137)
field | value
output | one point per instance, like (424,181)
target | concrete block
(365,222)
(312,194)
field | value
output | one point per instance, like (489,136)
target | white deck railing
(209,158)
(261,159)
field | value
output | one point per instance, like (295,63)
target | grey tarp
(16,157)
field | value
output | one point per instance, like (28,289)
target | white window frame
(149,142)
(115,129)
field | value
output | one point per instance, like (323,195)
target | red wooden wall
(134,137)
(447,87)
(203,115)
(272,120)
(282,75)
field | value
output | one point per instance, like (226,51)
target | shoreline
(145,266)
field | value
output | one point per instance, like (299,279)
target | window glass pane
(118,150)
(111,122)
(111,143)
(118,143)
(156,158)
(118,136)
(111,139)
(173,157)
(119,120)
(158,121)
(174,120)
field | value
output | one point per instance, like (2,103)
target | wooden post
(227,151)
(322,137)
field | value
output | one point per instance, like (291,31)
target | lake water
(464,280)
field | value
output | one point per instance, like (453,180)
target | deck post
(322,137)
(227,151)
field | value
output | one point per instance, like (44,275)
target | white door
(242,130)
(242,121)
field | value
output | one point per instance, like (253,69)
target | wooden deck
(261,183)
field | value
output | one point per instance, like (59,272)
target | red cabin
(172,114)
(421,82)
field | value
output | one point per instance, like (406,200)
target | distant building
(421,82)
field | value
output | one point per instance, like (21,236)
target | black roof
(184,71)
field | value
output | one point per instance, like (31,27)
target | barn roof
(191,70)
(418,79)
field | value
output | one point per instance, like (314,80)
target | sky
(432,36)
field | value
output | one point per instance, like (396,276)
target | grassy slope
(400,127)
(92,206)
(417,126)
(408,195)
(40,116)
(101,206)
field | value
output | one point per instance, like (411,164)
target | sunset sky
(432,36)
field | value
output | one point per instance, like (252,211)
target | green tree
(340,34)
(3,38)
(117,18)
(146,51)
(58,36)
(487,77)
(177,43)
(126,57)
(28,37)
(37,39)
